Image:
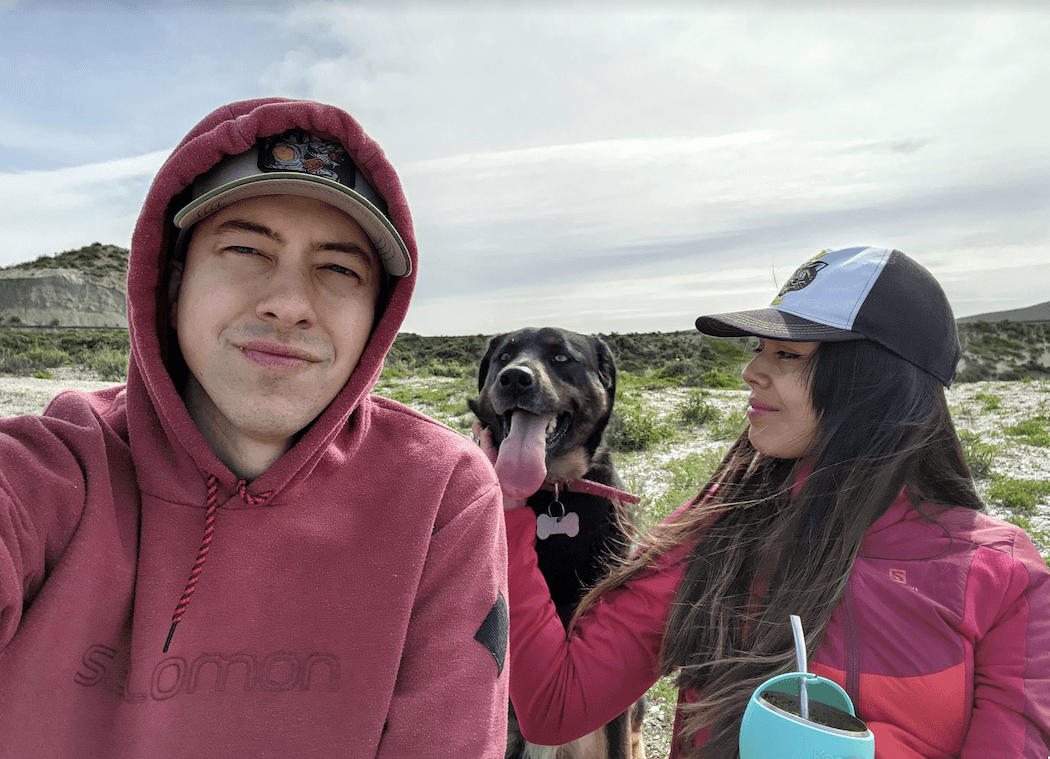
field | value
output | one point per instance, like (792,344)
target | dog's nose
(516,376)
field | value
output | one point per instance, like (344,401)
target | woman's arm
(564,688)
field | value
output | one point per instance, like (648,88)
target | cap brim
(389,247)
(772,324)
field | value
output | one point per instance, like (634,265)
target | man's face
(275,306)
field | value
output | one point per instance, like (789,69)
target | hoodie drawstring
(209,531)
(202,555)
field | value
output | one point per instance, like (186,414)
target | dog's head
(551,392)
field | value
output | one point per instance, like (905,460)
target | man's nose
(287,299)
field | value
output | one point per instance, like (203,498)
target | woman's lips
(757,410)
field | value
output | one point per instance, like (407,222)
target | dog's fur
(570,378)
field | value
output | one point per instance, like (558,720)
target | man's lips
(276,355)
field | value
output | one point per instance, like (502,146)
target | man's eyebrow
(244,225)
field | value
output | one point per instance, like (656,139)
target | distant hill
(76,288)
(95,260)
(1037,313)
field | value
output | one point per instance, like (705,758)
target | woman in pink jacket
(848,502)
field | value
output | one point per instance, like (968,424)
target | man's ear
(174,283)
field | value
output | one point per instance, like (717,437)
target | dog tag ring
(567,524)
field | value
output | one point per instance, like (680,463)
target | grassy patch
(1031,431)
(1040,537)
(988,401)
(1019,495)
(684,477)
(631,381)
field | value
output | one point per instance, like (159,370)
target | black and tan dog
(547,395)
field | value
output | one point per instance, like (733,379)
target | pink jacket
(351,600)
(943,643)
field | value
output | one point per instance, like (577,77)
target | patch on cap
(802,277)
(296,150)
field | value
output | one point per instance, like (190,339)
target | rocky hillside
(77,288)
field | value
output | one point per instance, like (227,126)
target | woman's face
(783,422)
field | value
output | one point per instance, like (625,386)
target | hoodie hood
(166,444)
(231,130)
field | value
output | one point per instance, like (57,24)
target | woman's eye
(247,250)
(785,354)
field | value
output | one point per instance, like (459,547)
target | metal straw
(800,656)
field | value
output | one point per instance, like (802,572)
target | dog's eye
(561,358)
(504,357)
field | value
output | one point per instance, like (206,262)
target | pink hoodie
(352,599)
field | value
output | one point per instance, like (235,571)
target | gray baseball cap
(299,163)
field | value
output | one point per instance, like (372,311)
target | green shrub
(695,410)
(43,374)
(722,380)
(32,359)
(730,427)
(980,456)
(635,427)
(111,364)
(47,357)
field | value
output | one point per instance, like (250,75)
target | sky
(607,167)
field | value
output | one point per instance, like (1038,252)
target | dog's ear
(606,365)
(483,368)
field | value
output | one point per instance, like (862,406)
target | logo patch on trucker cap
(803,277)
(302,152)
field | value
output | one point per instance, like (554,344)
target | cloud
(607,167)
(46,212)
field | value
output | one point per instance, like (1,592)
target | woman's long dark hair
(777,537)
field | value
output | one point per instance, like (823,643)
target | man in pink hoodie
(241,552)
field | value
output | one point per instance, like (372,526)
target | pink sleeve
(563,689)
(1008,613)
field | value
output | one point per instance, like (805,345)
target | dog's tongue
(521,463)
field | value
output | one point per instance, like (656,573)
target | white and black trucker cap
(857,294)
(299,163)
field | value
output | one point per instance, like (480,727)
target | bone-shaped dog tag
(546,525)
